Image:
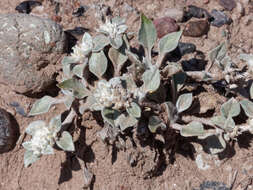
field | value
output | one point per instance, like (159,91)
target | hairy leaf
(29,158)
(151,80)
(118,58)
(125,121)
(98,64)
(154,123)
(78,70)
(66,142)
(110,115)
(42,105)
(194,128)
(134,110)
(33,126)
(169,42)
(184,102)
(147,33)
(99,42)
(247,106)
(231,108)
(55,123)
(116,42)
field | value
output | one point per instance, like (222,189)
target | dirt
(149,165)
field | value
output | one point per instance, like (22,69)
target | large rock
(7,132)
(30,48)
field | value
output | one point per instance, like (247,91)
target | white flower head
(113,27)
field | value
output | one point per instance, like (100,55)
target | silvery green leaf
(169,42)
(33,126)
(55,124)
(154,123)
(178,80)
(98,64)
(99,42)
(147,34)
(247,57)
(77,87)
(90,104)
(110,115)
(48,150)
(229,125)
(216,52)
(118,20)
(124,121)
(116,42)
(134,110)
(68,60)
(66,142)
(42,105)
(251,91)
(219,121)
(194,128)
(147,63)
(68,102)
(28,145)
(215,144)
(78,70)
(118,58)
(231,108)
(171,111)
(87,39)
(184,101)
(247,107)
(133,57)
(29,158)
(151,80)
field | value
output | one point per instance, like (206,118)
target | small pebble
(196,28)
(219,18)
(186,48)
(80,11)
(196,12)
(77,30)
(7,134)
(228,4)
(165,25)
(27,6)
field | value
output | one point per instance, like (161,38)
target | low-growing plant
(128,89)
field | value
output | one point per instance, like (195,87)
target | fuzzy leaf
(169,42)
(99,42)
(147,33)
(193,129)
(90,104)
(29,158)
(66,142)
(98,64)
(67,60)
(48,150)
(231,108)
(134,110)
(118,58)
(33,126)
(251,91)
(55,123)
(78,70)
(68,102)
(151,80)
(184,102)
(218,53)
(116,42)
(247,106)
(77,87)
(154,123)
(110,115)
(125,121)
(219,121)
(42,105)
(215,144)
(229,125)
(171,111)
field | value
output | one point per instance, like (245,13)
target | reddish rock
(228,4)
(165,25)
(196,28)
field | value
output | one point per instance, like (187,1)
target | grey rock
(7,132)
(228,4)
(219,18)
(30,48)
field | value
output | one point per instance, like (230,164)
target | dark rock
(77,30)
(185,48)
(196,28)
(80,11)
(219,18)
(30,48)
(228,4)
(27,6)
(165,25)
(196,12)
(7,133)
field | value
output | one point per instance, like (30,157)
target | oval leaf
(169,42)
(125,121)
(154,123)
(247,106)
(99,42)
(184,102)
(118,59)
(151,80)
(66,142)
(110,115)
(147,33)
(116,42)
(231,108)
(134,110)
(29,158)
(193,129)
(78,70)
(42,105)
(98,64)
